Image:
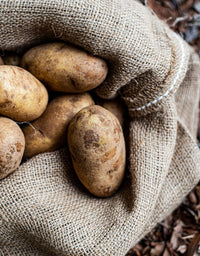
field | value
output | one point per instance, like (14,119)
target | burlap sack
(44,210)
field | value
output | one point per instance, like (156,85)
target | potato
(115,106)
(1,61)
(65,68)
(22,97)
(97,149)
(49,132)
(11,58)
(11,146)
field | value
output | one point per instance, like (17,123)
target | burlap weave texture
(44,210)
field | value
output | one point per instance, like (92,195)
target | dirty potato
(49,132)
(65,68)
(1,61)
(97,149)
(11,146)
(11,58)
(22,97)
(117,107)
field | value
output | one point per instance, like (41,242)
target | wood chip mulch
(179,234)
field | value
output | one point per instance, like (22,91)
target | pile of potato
(30,123)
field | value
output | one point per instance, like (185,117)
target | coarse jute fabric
(44,210)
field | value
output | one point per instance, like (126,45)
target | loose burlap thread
(44,210)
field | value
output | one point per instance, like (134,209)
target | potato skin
(11,146)
(49,132)
(1,61)
(97,148)
(11,58)
(65,68)
(22,97)
(115,106)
